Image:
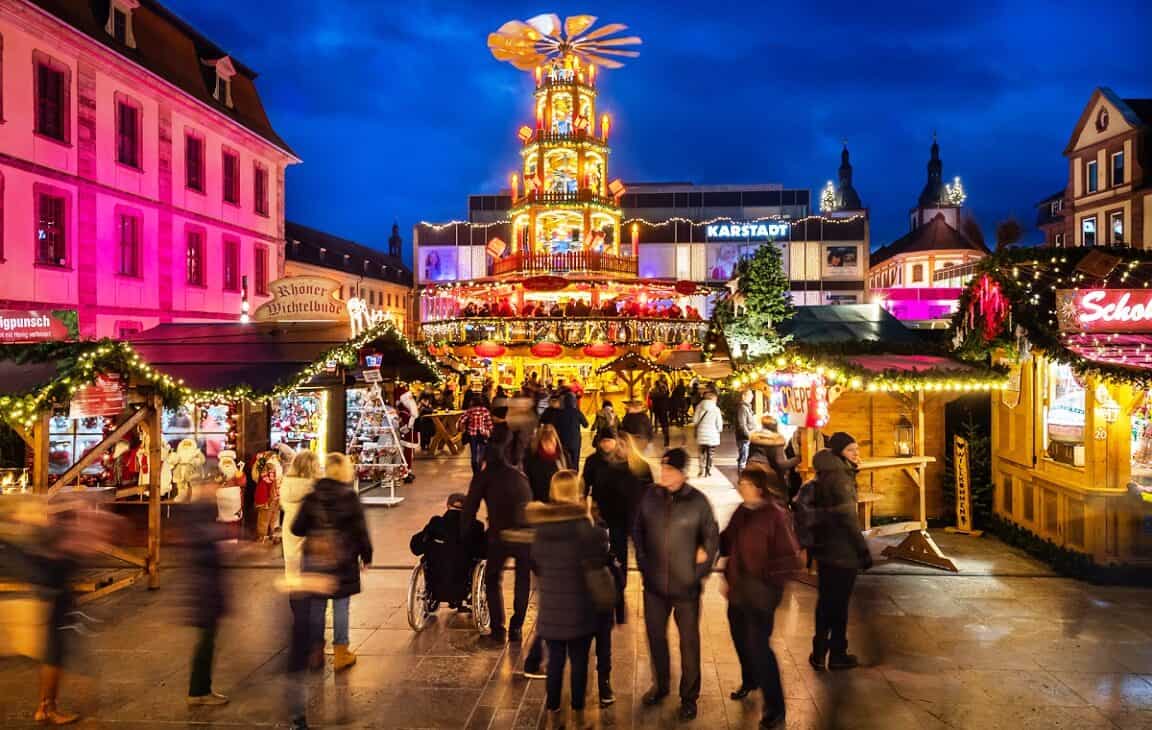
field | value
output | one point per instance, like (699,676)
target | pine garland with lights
(80,363)
(1028,280)
(849,376)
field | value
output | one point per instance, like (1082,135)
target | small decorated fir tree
(758,301)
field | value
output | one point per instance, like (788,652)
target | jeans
(476,446)
(576,651)
(498,553)
(835,591)
(340,608)
(662,423)
(657,609)
(706,459)
(751,628)
(200,681)
(618,541)
(742,453)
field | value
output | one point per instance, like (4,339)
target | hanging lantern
(656,348)
(490,349)
(600,349)
(685,346)
(905,437)
(686,288)
(546,349)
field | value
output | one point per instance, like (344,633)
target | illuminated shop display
(373,439)
(300,420)
(211,426)
(69,439)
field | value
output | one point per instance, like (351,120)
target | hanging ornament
(600,349)
(989,303)
(490,349)
(547,349)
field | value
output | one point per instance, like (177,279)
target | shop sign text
(1104,310)
(27,326)
(302,299)
(746,231)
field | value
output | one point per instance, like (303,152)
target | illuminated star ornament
(528,44)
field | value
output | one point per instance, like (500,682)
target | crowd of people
(652,309)
(572,529)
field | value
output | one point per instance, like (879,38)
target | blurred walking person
(337,545)
(676,541)
(207,591)
(504,489)
(298,484)
(839,548)
(709,423)
(760,553)
(637,424)
(477,427)
(566,548)
(661,397)
(568,422)
(745,427)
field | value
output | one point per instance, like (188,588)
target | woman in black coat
(336,545)
(564,546)
(545,457)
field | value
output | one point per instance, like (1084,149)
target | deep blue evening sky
(399,111)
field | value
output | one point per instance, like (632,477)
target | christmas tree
(758,301)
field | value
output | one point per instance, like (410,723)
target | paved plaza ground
(1004,644)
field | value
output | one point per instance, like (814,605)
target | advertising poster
(721,261)
(842,261)
(438,263)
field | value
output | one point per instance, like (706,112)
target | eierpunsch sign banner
(1119,311)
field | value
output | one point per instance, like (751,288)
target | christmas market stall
(855,368)
(1072,434)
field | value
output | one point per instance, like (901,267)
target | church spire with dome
(847,198)
(934,194)
(395,242)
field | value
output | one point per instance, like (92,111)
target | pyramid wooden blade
(601,61)
(631,40)
(611,52)
(604,30)
(547,23)
(577,24)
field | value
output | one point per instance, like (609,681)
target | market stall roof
(17,378)
(839,324)
(263,356)
(633,362)
(910,364)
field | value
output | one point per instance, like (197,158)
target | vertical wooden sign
(960,467)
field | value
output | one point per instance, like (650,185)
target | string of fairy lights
(104,357)
(858,378)
(674,219)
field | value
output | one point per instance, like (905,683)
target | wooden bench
(866,500)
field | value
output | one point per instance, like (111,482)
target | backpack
(804,514)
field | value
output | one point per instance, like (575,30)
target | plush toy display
(230,494)
(186,462)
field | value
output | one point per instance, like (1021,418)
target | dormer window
(119,24)
(323,251)
(224,70)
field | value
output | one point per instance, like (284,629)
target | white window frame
(126,7)
(1112,169)
(1112,227)
(1095,231)
(1091,182)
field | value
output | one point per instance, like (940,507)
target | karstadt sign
(752,231)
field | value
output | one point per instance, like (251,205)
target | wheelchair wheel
(481,619)
(419,605)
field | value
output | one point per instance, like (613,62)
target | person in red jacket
(760,552)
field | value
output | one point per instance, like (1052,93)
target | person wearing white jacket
(303,472)
(709,422)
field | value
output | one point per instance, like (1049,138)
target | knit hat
(607,432)
(840,441)
(675,458)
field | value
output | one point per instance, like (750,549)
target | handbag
(601,585)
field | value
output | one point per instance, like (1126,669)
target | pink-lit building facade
(140,179)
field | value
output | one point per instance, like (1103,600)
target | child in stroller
(449,560)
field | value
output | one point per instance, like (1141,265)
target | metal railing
(551,197)
(561,263)
(570,331)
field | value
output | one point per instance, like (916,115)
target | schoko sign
(1104,310)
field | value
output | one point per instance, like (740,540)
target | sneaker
(842,661)
(816,662)
(515,634)
(534,672)
(687,710)
(607,696)
(210,699)
(654,696)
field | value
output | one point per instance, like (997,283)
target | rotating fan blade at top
(630,40)
(527,44)
(604,30)
(577,24)
(547,23)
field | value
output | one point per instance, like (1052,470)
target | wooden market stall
(854,368)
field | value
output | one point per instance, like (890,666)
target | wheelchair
(423,603)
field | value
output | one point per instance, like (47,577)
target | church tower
(395,242)
(846,196)
(938,197)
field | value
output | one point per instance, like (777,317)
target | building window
(231,264)
(260,270)
(917,273)
(52,100)
(128,261)
(231,177)
(128,134)
(1118,168)
(195,258)
(1116,227)
(1,216)
(1092,182)
(119,24)
(125,329)
(1059,239)
(1088,231)
(51,228)
(260,188)
(194,162)
(1055,207)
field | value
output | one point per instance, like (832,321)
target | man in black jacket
(505,491)
(676,541)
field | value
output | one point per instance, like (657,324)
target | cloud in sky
(399,112)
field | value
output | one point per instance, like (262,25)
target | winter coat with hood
(292,494)
(539,467)
(771,448)
(670,526)
(336,539)
(568,421)
(709,422)
(565,541)
(838,541)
